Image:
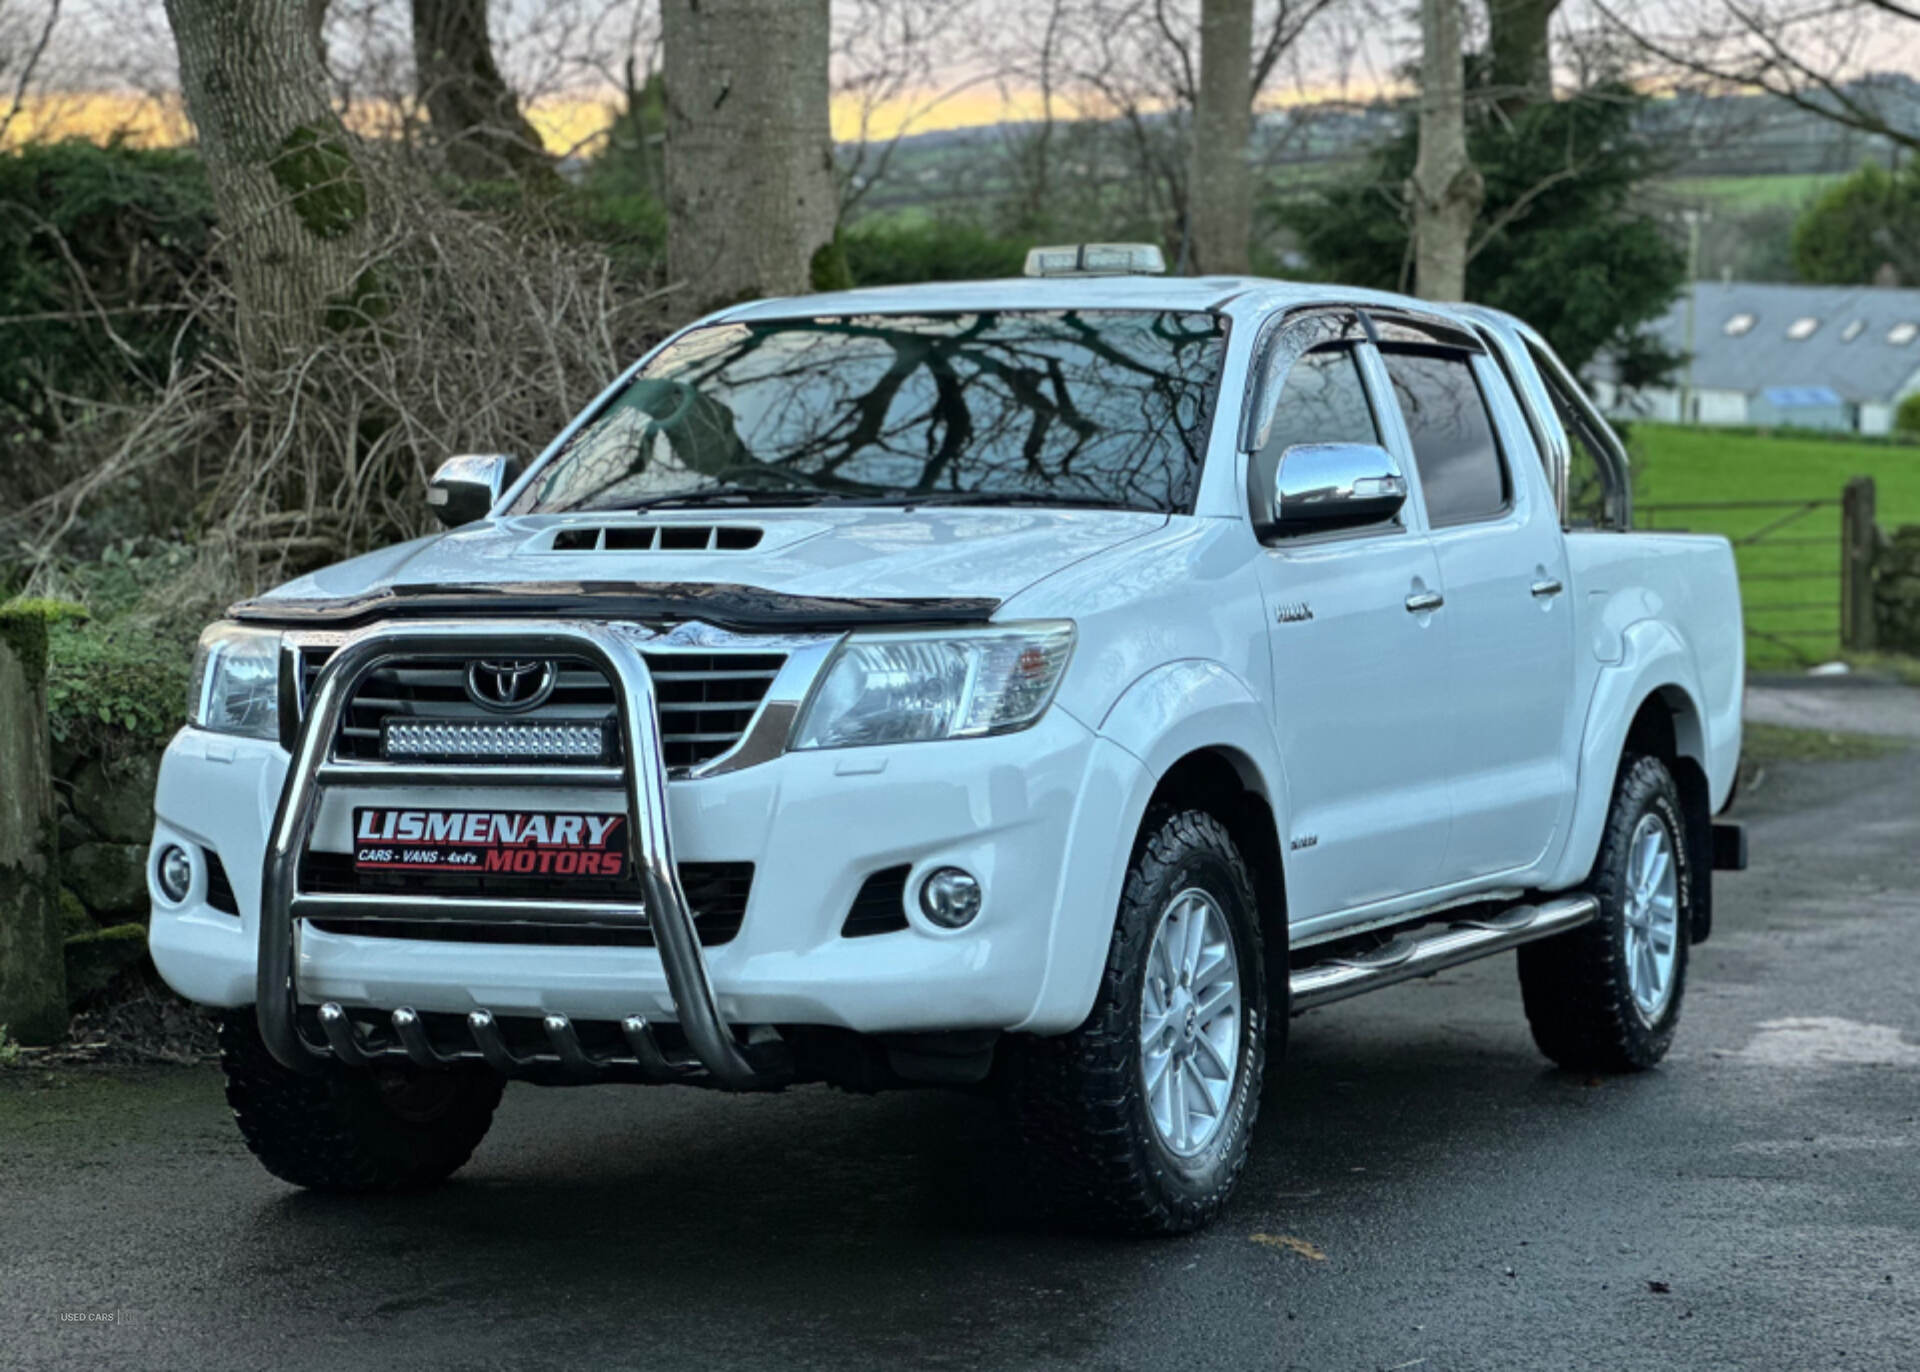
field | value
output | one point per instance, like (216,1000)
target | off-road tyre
(1575,985)
(1078,1099)
(395,1128)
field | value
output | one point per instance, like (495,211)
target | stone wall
(105,821)
(33,997)
(1896,591)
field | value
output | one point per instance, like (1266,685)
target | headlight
(236,682)
(909,688)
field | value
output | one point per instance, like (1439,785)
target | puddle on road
(1825,1041)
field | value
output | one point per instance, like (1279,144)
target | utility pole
(1693,218)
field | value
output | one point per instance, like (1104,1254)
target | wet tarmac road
(1426,1193)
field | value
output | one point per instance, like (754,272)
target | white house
(1816,357)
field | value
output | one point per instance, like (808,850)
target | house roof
(1749,336)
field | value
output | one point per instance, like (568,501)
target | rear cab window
(1463,473)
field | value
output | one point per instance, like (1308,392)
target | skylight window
(1853,330)
(1802,327)
(1902,334)
(1739,324)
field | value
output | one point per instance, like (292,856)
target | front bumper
(1037,816)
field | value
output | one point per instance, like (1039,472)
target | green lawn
(1800,564)
(1742,193)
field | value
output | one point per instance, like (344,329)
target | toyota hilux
(1047,686)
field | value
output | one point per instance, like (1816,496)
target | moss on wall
(25,625)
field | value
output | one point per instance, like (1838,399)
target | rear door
(1502,563)
(1359,702)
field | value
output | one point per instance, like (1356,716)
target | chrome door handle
(1542,589)
(1425,600)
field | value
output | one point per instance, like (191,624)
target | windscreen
(1073,406)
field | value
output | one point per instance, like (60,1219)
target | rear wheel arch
(1668,726)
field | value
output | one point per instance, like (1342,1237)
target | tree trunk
(317,27)
(1220,200)
(286,185)
(1519,53)
(1446,189)
(750,193)
(476,119)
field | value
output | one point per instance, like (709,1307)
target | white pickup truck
(1050,684)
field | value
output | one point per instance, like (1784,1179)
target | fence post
(33,977)
(1857,539)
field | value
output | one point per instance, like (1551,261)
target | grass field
(1740,193)
(1800,564)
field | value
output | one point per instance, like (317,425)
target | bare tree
(750,193)
(1445,190)
(1810,53)
(475,117)
(893,66)
(1137,63)
(286,180)
(1519,52)
(23,46)
(1031,148)
(1220,221)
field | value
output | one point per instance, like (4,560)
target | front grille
(716,895)
(707,700)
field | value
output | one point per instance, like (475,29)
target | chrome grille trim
(769,674)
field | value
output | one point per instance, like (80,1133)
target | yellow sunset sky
(566,124)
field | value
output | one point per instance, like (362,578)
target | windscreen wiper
(1055,498)
(733,495)
(893,497)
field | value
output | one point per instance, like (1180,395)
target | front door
(1357,665)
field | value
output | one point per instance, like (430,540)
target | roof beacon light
(1097,259)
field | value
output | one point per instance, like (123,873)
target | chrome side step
(1417,954)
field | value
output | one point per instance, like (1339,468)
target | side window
(1323,401)
(1461,472)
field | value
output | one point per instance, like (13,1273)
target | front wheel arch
(1226,784)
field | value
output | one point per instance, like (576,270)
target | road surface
(1427,1193)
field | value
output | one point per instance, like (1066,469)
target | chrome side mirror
(467,488)
(1321,487)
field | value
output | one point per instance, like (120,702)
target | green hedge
(113,688)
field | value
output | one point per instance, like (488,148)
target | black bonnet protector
(741,608)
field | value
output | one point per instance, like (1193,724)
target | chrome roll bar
(650,842)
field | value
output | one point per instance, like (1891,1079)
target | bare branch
(24,79)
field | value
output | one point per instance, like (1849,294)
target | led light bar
(513,740)
(1097,259)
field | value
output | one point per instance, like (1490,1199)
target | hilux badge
(510,687)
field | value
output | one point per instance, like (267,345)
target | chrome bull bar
(650,841)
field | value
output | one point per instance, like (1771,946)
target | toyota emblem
(511,687)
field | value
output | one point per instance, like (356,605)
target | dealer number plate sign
(507,842)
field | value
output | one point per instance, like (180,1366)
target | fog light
(950,897)
(175,870)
